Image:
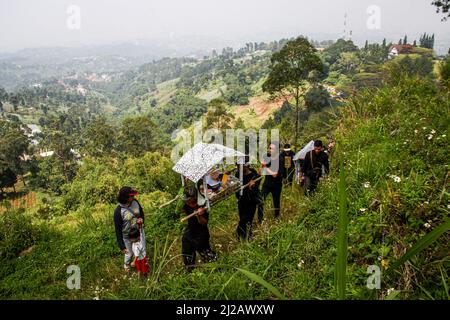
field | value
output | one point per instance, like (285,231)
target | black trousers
(311,183)
(194,241)
(276,198)
(247,211)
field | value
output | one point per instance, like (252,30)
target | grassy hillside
(393,143)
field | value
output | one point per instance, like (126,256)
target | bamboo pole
(170,202)
(196,212)
(256,180)
(189,216)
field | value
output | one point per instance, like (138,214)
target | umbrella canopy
(302,153)
(198,161)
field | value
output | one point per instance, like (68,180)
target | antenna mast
(347,35)
(344,36)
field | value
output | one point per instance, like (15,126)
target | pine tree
(405,40)
(422,40)
(427,41)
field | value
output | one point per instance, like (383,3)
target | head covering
(287,147)
(318,143)
(189,192)
(125,193)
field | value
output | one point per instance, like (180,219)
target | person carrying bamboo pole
(247,201)
(196,234)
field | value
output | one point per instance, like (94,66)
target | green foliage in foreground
(393,144)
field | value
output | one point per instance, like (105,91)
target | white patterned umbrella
(198,161)
(302,153)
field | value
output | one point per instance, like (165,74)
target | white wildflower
(363,209)
(427,225)
(424,128)
(433,131)
(366,184)
(448,206)
(390,290)
(416,131)
(396,179)
(430,136)
(301,263)
(444,135)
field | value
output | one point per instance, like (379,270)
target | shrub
(16,233)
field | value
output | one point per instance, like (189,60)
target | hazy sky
(36,23)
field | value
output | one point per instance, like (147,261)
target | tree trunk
(66,174)
(296,121)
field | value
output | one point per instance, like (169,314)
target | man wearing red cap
(128,216)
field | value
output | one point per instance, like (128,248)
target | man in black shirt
(272,168)
(287,157)
(312,166)
(248,201)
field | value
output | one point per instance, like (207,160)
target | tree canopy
(296,64)
(14,144)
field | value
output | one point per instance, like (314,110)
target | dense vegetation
(390,123)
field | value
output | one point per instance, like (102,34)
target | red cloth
(142,265)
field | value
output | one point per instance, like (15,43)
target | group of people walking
(278,169)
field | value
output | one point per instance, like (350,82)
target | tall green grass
(423,243)
(261,281)
(342,243)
